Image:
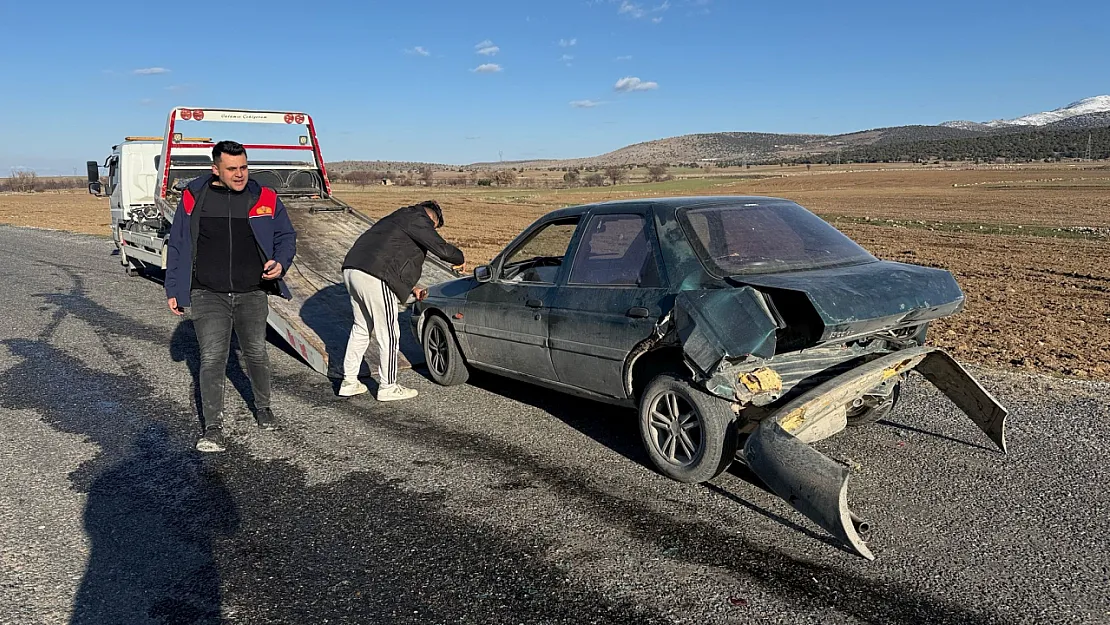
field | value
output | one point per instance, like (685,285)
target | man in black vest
(230,244)
(381,270)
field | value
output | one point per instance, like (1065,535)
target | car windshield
(765,236)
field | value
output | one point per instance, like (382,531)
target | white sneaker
(351,387)
(395,392)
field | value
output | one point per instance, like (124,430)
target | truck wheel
(441,352)
(688,434)
(869,413)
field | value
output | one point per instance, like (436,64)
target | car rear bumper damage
(779,451)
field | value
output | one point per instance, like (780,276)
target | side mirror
(93,169)
(483,273)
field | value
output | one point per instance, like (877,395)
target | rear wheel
(442,354)
(688,433)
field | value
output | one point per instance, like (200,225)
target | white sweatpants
(375,309)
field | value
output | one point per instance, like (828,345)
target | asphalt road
(492,502)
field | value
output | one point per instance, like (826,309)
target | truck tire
(689,435)
(442,354)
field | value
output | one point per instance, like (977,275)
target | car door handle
(534,303)
(638,312)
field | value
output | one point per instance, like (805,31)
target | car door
(611,300)
(506,318)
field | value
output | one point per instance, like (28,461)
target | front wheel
(441,352)
(688,434)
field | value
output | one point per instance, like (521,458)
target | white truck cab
(130,194)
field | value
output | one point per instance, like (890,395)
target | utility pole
(1088,146)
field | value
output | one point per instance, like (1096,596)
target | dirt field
(1027,244)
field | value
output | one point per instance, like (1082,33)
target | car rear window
(766,237)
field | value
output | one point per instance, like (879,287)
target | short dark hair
(433,206)
(231,148)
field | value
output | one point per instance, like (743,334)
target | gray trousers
(375,310)
(215,316)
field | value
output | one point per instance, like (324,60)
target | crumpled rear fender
(778,451)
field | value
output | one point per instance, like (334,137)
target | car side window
(615,251)
(539,257)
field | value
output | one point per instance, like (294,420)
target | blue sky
(405,81)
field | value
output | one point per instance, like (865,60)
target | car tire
(866,415)
(714,446)
(442,355)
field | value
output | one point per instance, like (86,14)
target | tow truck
(145,178)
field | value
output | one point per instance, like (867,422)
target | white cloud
(628,8)
(487,68)
(627,57)
(418,50)
(585,104)
(566,43)
(150,71)
(486,48)
(566,57)
(637,11)
(631,83)
(177,87)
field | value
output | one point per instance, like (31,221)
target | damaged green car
(741,329)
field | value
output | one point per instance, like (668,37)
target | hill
(1032,144)
(1037,135)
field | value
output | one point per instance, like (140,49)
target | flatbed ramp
(317,321)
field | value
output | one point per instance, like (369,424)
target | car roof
(664,203)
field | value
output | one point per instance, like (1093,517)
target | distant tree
(615,173)
(428,176)
(594,180)
(358,177)
(504,177)
(657,173)
(23,181)
(571,177)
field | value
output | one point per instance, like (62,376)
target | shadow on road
(153,510)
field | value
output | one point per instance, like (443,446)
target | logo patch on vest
(262,211)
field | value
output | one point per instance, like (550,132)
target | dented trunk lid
(859,299)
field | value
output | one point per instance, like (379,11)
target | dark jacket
(273,232)
(395,247)
(228,260)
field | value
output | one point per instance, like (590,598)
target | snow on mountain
(963,124)
(1086,106)
(1097,104)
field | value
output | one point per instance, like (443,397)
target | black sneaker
(211,440)
(264,417)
